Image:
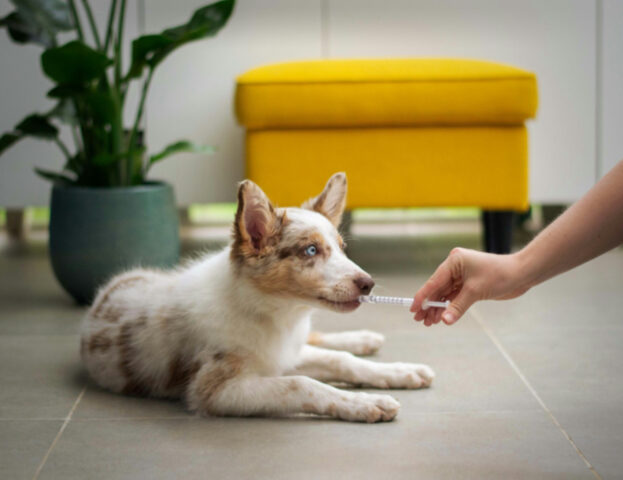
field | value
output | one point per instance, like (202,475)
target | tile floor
(529,388)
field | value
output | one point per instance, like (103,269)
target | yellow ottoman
(408,132)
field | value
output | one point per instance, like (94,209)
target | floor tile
(477,421)
(41,375)
(99,403)
(479,446)
(598,432)
(23,444)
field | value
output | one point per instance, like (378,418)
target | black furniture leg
(497,230)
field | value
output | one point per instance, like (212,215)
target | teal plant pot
(96,233)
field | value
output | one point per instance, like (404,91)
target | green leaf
(74,63)
(104,159)
(34,125)
(143,49)
(38,21)
(178,147)
(74,164)
(101,105)
(64,91)
(54,177)
(8,139)
(150,50)
(37,125)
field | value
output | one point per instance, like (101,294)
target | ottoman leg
(497,230)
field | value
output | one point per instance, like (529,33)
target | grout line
(31,419)
(98,419)
(534,393)
(58,435)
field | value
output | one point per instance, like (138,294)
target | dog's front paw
(402,375)
(358,342)
(366,407)
(365,342)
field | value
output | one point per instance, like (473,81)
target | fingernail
(448,317)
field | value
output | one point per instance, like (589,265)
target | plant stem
(137,120)
(111,18)
(118,45)
(118,133)
(96,35)
(63,148)
(74,14)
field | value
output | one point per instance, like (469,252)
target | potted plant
(105,216)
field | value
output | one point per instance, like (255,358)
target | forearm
(590,227)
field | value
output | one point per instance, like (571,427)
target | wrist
(524,269)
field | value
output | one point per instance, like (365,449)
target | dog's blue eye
(311,250)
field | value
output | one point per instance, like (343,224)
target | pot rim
(150,185)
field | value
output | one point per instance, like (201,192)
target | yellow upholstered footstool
(408,132)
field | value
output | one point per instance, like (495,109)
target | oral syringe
(405,302)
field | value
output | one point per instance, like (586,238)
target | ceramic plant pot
(98,232)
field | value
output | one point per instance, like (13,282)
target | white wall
(581,105)
(611,85)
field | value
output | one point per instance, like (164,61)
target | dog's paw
(366,407)
(401,375)
(358,342)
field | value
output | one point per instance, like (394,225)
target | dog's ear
(332,200)
(256,220)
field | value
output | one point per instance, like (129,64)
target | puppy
(230,333)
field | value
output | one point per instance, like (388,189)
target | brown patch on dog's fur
(111,317)
(181,371)
(212,380)
(340,241)
(293,386)
(100,341)
(309,408)
(314,338)
(300,245)
(285,269)
(127,353)
(112,314)
(218,356)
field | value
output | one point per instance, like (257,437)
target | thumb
(458,306)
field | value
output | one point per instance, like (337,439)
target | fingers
(441,279)
(458,306)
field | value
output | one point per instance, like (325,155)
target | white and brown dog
(230,333)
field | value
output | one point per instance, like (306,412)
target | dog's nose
(364,284)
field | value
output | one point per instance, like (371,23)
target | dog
(229,333)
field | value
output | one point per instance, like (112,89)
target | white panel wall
(554,38)
(192,91)
(22,91)
(611,125)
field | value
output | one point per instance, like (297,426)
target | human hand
(465,277)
